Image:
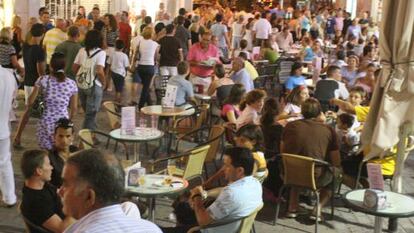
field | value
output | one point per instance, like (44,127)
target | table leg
(136,152)
(378,225)
(151,210)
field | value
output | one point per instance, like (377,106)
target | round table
(202,98)
(158,110)
(141,134)
(399,206)
(153,186)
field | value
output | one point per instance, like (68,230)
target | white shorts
(168,70)
(200,85)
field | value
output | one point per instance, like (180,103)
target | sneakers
(8,206)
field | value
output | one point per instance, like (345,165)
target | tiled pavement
(344,221)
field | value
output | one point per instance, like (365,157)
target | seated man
(62,149)
(239,198)
(185,90)
(331,87)
(93,183)
(40,203)
(249,66)
(320,144)
(240,74)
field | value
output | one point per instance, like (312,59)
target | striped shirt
(53,38)
(111,219)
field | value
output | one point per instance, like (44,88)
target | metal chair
(299,171)
(246,223)
(193,159)
(214,139)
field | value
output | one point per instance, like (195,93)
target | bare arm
(101,74)
(26,116)
(75,68)
(16,65)
(202,215)
(73,106)
(56,224)
(344,105)
(41,68)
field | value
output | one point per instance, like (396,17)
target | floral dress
(56,98)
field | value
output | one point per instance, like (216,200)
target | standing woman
(146,58)
(8,53)
(195,28)
(59,93)
(17,35)
(111,35)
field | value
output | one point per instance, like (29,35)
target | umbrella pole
(406,130)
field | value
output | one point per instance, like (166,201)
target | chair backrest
(113,116)
(202,117)
(216,134)
(299,171)
(247,223)
(85,136)
(223,92)
(195,162)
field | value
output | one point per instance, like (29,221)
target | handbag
(38,106)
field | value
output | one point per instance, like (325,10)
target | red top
(124,33)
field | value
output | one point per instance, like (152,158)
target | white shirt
(111,219)
(99,58)
(284,42)
(248,116)
(237,29)
(147,49)
(119,61)
(8,87)
(262,28)
(342,92)
(236,200)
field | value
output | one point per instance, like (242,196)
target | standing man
(262,29)
(34,59)
(219,30)
(53,37)
(93,185)
(170,52)
(202,56)
(125,31)
(183,35)
(44,18)
(70,49)
(7,90)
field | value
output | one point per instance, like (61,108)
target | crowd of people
(211,51)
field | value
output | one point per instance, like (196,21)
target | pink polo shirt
(196,53)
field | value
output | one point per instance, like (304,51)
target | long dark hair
(269,112)
(93,39)
(236,94)
(112,22)
(57,62)
(294,96)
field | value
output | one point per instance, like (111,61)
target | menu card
(170,95)
(256,53)
(133,174)
(128,123)
(376,180)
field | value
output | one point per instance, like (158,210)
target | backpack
(85,78)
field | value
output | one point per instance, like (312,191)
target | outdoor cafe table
(399,206)
(153,186)
(141,134)
(203,98)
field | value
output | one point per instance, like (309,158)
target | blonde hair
(147,33)
(16,21)
(5,35)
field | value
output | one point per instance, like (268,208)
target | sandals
(313,217)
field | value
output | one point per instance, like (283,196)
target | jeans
(6,173)
(146,72)
(91,102)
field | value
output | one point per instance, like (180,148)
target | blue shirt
(236,200)
(111,219)
(295,81)
(242,77)
(309,54)
(184,89)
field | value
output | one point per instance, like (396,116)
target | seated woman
(251,108)
(268,53)
(296,78)
(249,136)
(350,72)
(221,80)
(294,101)
(367,82)
(306,54)
(230,111)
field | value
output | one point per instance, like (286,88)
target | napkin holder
(375,199)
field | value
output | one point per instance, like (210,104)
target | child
(243,48)
(292,110)
(349,139)
(119,64)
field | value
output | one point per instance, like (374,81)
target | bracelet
(196,195)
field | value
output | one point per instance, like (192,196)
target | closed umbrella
(391,114)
